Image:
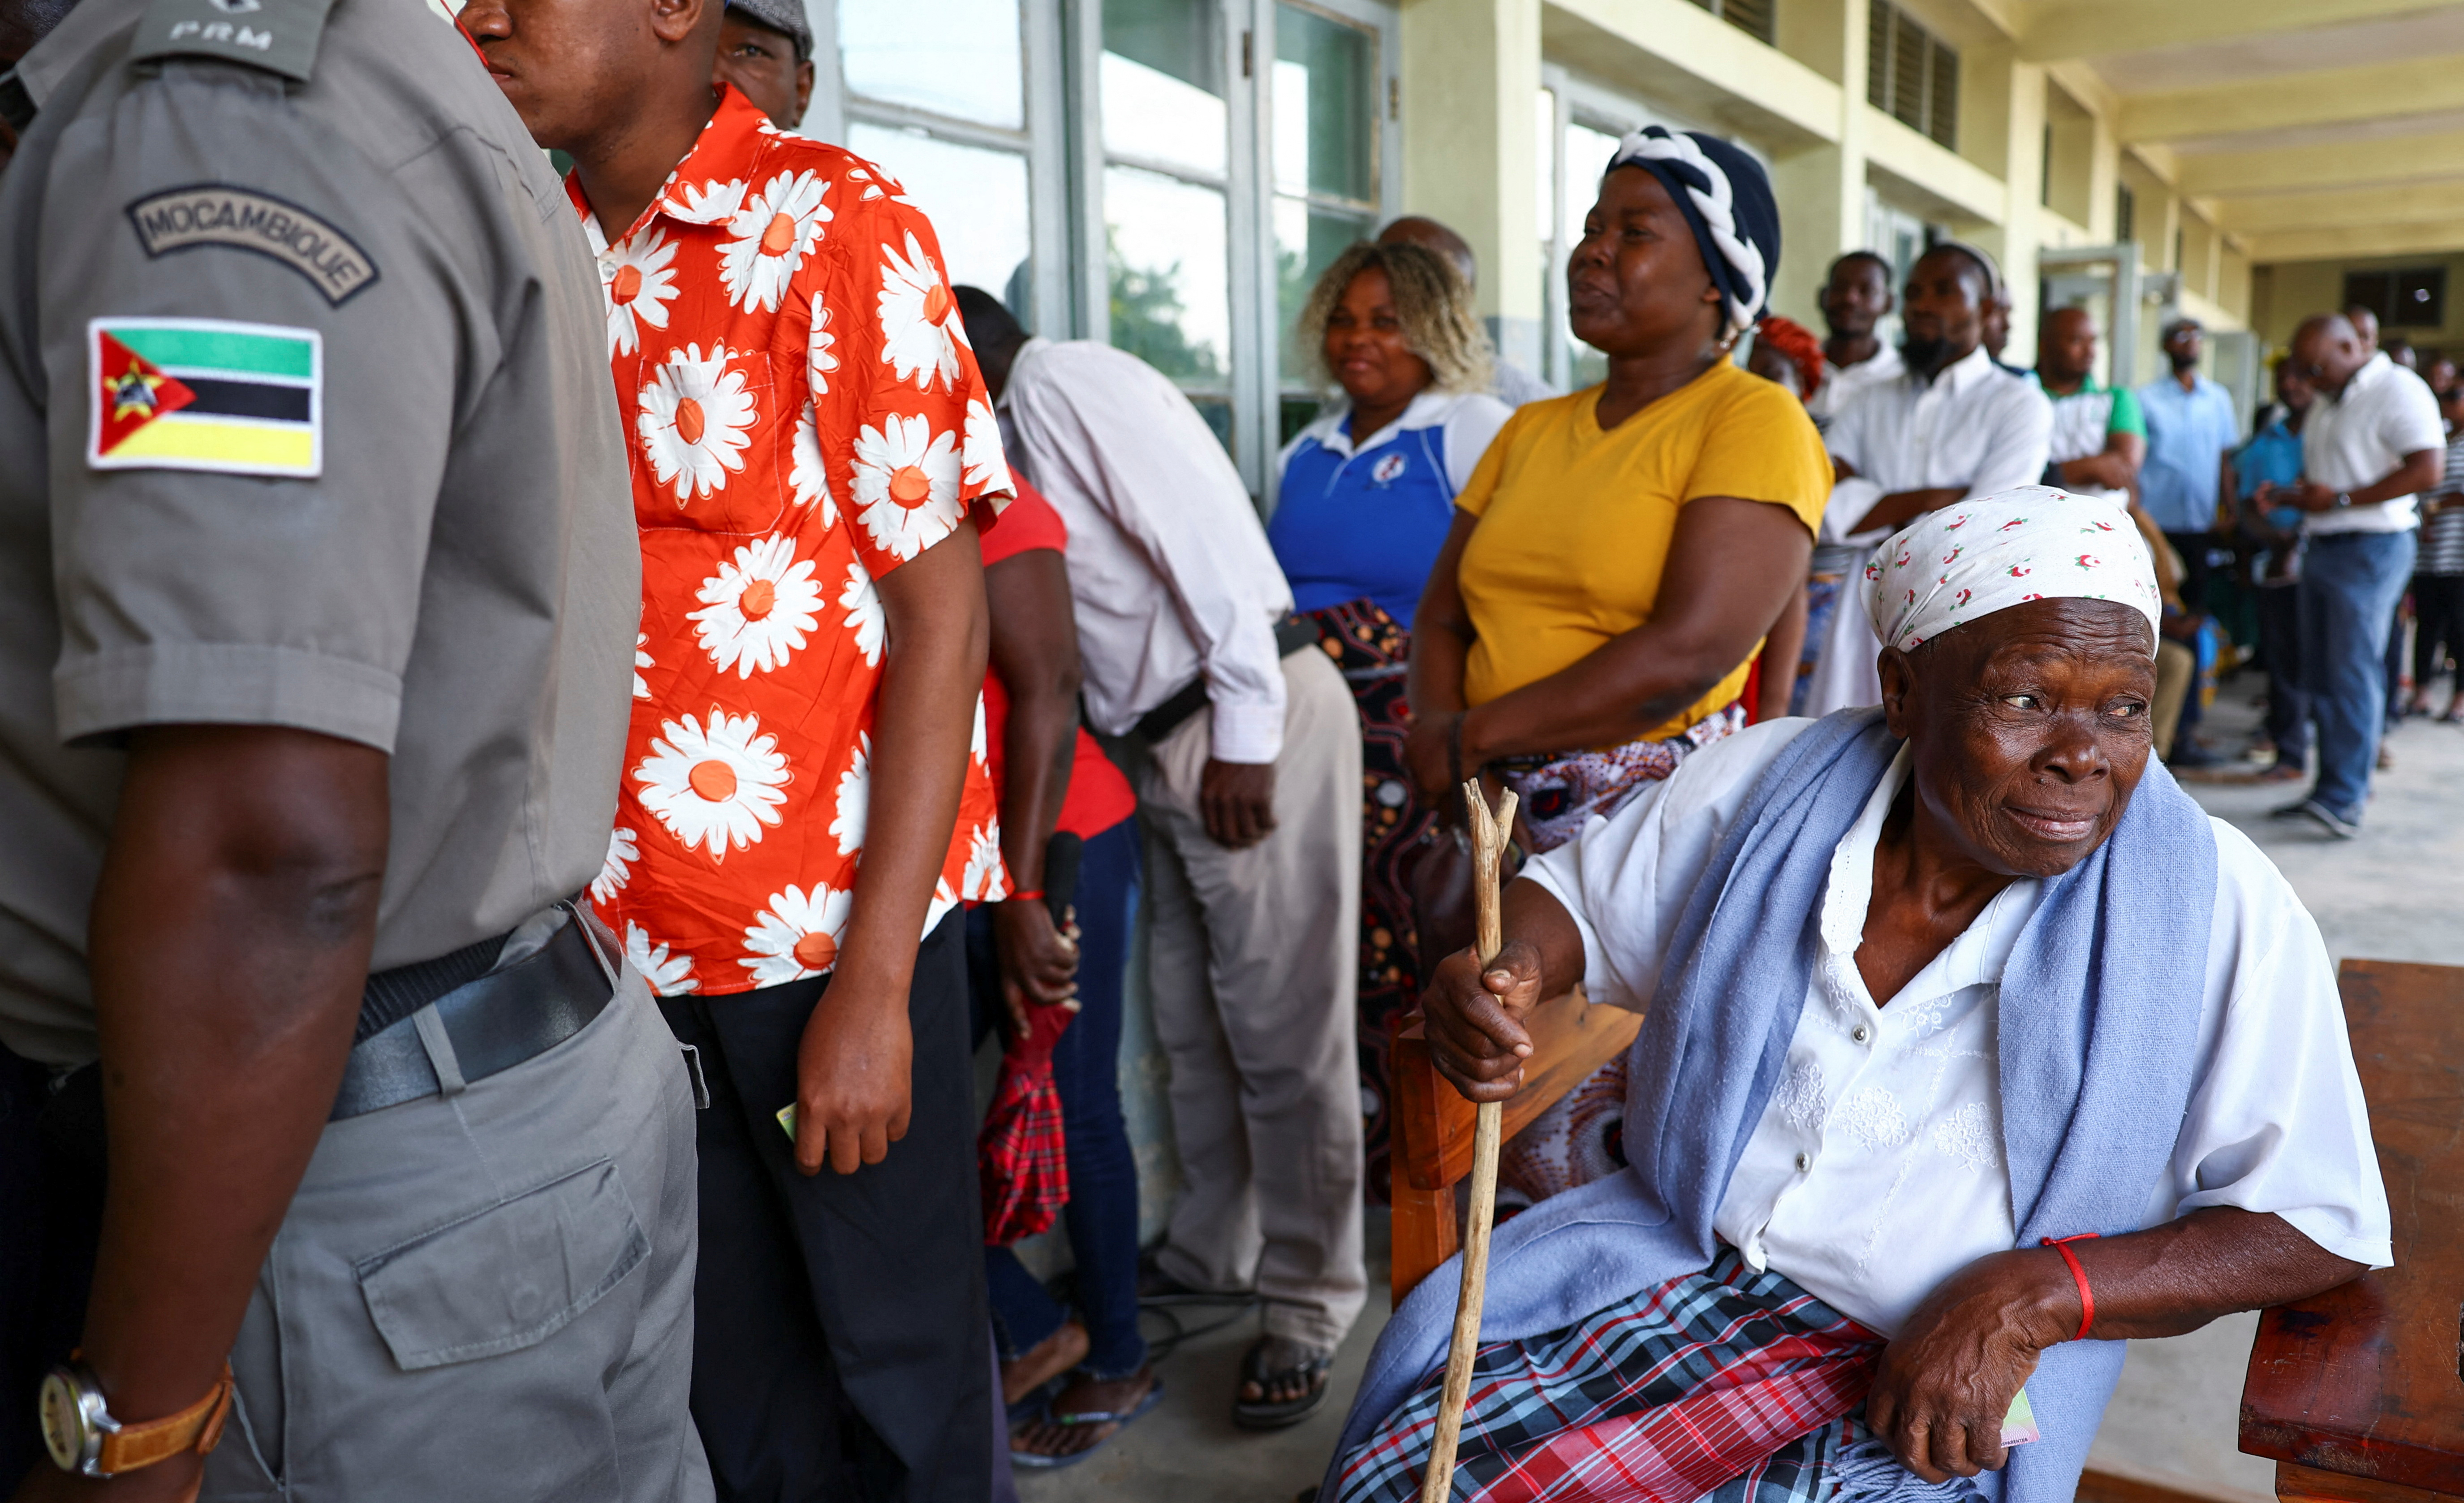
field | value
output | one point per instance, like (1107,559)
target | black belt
(1291,635)
(502,1019)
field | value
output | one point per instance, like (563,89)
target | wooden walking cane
(1489,830)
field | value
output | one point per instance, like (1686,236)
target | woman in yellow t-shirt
(1618,556)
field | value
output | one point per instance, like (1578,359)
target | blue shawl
(2099,1024)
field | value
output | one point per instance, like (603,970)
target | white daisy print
(821,353)
(694,422)
(943,900)
(710,202)
(976,737)
(640,280)
(986,880)
(855,796)
(618,869)
(757,610)
(715,788)
(866,618)
(875,183)
(797,936)
(769,237)
(980,456)
(807,480)
(642,659)
(906,484)
(668,975)
(916,306)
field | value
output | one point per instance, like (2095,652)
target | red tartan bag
(1019,1151)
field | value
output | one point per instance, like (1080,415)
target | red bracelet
(1032,894)
(2078,1275)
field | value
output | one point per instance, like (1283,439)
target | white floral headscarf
(1975,558)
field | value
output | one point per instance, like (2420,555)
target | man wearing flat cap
(765,49)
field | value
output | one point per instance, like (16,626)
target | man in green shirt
(2100,436)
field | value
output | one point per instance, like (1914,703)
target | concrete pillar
(1821,190)
(2002,129)
(1472,75)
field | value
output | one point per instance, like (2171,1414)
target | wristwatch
(2344,497)
(83,1438)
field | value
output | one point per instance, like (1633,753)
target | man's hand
(1950,1376)
(1238,800)
(2308,495)
(853,1080)
(1474,1020)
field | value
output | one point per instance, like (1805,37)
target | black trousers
(839,1321)
(2437,625)
(2279,648)
(51,1162)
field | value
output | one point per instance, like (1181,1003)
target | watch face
(63,1428)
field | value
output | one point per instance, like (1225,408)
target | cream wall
(2290,290)
(1472,67)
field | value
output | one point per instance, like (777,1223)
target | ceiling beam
(2358,241)
(2330,97)
(2401,159)
(2055,30)
(2358,208)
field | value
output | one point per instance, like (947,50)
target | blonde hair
(1431,299)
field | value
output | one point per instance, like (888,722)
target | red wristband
(1032,894)
(2078,1275)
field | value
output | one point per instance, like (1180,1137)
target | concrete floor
(2395,894)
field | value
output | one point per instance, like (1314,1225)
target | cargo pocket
(505,1277)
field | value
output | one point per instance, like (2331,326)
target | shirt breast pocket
(713,441)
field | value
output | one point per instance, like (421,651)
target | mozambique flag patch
(206,394)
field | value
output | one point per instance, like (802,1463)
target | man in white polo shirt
(2372,442)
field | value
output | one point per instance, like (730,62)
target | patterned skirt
(1580,1137)
(1372,649)
(1726,1385)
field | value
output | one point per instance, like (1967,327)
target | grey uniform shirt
(304,405)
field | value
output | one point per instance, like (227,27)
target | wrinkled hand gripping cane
(1489,830)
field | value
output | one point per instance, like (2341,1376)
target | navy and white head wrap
(1726,198)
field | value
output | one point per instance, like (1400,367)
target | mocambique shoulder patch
(245,219)
(204,394)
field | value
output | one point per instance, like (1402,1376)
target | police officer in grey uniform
(317,592)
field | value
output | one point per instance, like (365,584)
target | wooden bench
(1431,1143)
(2356,1394)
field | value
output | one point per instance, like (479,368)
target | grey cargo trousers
(488,1296)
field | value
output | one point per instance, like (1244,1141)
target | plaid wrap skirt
(1726,1385)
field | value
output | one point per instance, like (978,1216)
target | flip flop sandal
(1038,1402)
(1267,1414)
(1032,1461)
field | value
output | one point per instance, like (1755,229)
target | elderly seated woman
(1935,990)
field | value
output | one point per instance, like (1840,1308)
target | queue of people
(587,1026)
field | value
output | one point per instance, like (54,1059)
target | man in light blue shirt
(2191,430)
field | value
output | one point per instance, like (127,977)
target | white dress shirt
(1168,562)
(2360,436)
(1974,425)
(1877,1169)
(1841,383)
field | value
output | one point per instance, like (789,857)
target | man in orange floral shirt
(804,791)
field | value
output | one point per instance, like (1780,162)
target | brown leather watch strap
(198,1427)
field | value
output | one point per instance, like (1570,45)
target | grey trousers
(1254,958)
(488,1296)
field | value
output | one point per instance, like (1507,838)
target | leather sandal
(1270,1414)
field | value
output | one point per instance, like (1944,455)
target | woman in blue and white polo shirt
(1367,497)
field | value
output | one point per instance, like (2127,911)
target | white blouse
(1876,1170)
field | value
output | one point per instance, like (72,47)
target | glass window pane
(977,200)
(1307,241)
(1162,82)
(1326,107)
(955,58)
(1171,299)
